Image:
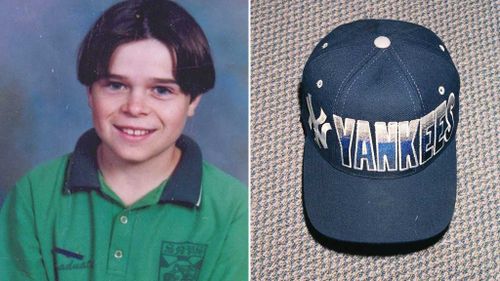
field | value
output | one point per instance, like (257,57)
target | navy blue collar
(183,187)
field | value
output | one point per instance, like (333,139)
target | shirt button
(118,254)
(123,219)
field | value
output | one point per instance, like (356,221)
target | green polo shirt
(62,222)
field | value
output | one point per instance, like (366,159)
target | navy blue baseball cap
(379,106)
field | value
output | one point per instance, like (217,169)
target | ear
(192,106)
(90,100)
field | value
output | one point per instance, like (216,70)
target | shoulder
(48,171)
(214,176)
(43,180)
(225,189)
(38,192)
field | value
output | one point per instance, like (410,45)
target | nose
(135,104)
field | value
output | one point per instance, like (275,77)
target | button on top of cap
(382,42)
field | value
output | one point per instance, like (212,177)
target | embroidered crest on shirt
(180,261)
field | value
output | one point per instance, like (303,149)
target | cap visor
(369,210)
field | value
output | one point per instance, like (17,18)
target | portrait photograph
(237,140)
(127,152)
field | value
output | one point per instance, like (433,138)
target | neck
(132,180)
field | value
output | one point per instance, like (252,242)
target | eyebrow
(155,80)
(164,80)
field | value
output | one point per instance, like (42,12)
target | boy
(134,201)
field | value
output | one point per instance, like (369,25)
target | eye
(162,90)
(115,86)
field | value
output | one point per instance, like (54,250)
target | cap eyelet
(441,90)
(319,84)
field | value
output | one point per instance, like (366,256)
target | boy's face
(139,111)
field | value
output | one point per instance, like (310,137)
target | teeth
(135,132)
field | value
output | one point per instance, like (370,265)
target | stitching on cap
(357,77)
(411,77)
(409,93)
(407,35)
(332,48)
(433,49)
(350,73)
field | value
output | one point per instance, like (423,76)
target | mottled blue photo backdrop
(43,108)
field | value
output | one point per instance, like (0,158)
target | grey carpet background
(283,34)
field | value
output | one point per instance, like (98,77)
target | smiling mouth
(134,132)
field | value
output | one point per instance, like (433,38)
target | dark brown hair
(163,20)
